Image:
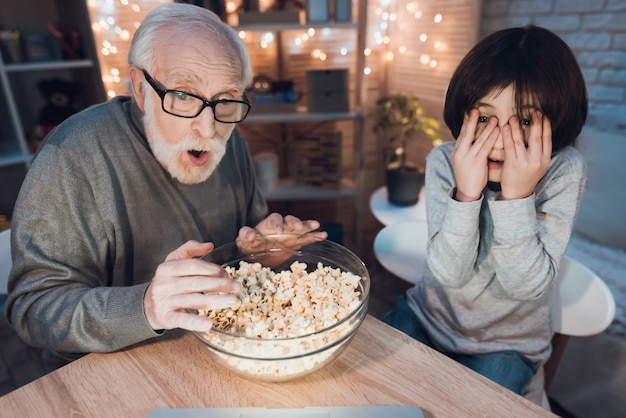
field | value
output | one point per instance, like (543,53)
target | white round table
(401,249)
(388,213)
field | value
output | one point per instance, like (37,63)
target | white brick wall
(596,32)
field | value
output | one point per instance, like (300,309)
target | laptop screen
(309,412)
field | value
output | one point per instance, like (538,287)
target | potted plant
(401,119)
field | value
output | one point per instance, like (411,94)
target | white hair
(193,20)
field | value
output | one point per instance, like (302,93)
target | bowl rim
(364,286)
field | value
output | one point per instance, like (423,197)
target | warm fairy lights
(391,16)
(115,21)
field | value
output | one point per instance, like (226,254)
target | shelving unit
(286,124)
(21,101)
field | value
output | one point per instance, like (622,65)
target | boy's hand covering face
(527,153)
(527,159)
(470,156)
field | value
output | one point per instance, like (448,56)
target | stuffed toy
(59,95)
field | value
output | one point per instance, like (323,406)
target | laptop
(308,412)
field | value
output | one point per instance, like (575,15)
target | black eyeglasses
(187,105)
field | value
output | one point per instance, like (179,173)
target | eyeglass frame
(205,103)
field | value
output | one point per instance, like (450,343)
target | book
(317,160)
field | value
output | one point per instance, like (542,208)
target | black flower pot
(404,185)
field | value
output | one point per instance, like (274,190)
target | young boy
(501,204)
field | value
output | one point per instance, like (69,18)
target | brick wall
(596,32)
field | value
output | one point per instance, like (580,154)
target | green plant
(401,119)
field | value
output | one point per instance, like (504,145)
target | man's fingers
(190,249)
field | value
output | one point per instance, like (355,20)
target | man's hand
(275,224)
(184,282)
(294,235)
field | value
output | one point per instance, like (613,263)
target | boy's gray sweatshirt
(491,264)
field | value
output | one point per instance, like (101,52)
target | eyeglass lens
(183,104)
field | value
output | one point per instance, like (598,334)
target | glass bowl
(279,357)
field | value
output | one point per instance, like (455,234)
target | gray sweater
(96,215)
(491,263)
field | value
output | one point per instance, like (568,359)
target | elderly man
(125,196)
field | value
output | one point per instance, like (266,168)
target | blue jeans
(507,368)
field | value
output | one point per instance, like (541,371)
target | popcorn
(289,303)
(283,305)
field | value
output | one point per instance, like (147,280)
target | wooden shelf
(288,190)
(301,116)
(12,158)
(20,98)
(281,27)
(48,65)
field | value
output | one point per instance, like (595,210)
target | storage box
(317,11)
(270,16)
(327,90)
(342,10)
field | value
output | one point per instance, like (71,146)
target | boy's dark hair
(538,64)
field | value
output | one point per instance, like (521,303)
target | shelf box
(269,108)
(250,18)
(327,90)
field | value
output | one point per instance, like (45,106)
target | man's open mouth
(196,153)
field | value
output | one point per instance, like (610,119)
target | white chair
(401,248)
(583,306)
(5,260)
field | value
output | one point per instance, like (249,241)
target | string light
(112,24)
(389,21)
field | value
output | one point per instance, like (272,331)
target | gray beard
(173,157)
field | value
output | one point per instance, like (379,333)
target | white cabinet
(20,100)
(286,51)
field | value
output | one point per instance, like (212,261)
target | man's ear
(136,86)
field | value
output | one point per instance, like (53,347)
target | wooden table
(381,366)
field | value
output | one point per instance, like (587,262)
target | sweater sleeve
(453,227)
(59,298)
(527,237)
(530,235)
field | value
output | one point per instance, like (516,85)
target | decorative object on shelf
(216,6)
(266,169)
(5,221)
(318,160)
(282,11)
(401,119)
(38,48)
(267,95)
(317,11)
(11,48)
(327,90)
(59,95)
(342,10)
(69,42)
(250,5)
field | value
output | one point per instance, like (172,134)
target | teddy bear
(59,95)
